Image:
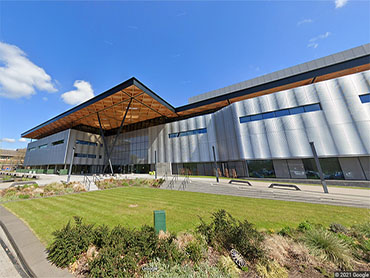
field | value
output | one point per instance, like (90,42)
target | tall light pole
(214,158)
(323,182)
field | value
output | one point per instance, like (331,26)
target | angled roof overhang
(111,106)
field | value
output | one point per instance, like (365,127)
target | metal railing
(87,182)
(172,183)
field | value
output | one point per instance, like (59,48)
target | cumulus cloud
(314,41)
(19,77)
(8,140)
(303,21)
(22,140)
(84,92)
(340,3)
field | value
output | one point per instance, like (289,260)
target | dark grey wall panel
(296,169)
(351,168)
(281,168)
(365,163)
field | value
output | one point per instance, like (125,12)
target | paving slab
(30,246)
(309,193)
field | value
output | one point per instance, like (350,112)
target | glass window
(58,142)
(310,168)
(331,168)
(32,149)
(312,107)
(261,168)
(365,98)
(188,133)
(91,156)
(202,130)
(245,119)
(281,113)
(82,142)
(80,155)
(296,110)
(256,117)
(43,146)
(268,115)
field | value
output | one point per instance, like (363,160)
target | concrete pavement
(309,193)
(31,248)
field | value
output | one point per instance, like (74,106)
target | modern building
(258,128)
(11,159)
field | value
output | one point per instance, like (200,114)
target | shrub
(305,226)
(338,228)
(159,269)
(226,264)
(328,246)
(69,242)
(158,182)
(361,230)
(194,251)
(286,231)
(226,232)
(23,196)
(361,234)
(271,269)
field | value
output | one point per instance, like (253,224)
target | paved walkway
(30,247)
(309,193)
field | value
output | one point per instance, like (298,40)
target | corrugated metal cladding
(284,73)
(340,129)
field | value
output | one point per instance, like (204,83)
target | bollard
(159,221)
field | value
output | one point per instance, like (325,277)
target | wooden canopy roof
(111,107)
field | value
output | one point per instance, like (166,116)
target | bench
(284,185)
(241,181)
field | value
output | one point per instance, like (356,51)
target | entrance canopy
(110,107)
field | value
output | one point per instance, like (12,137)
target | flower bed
(113,183)
(30,191)
(309,250)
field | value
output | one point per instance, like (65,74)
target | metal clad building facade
(261,136)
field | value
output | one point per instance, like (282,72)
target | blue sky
(54,55)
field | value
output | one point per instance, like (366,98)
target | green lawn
(112,207)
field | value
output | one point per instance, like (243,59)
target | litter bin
(159,220)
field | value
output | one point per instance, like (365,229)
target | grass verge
(133,207)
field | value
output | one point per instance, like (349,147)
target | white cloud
(84,92)
(340,3)
(19,77)
(313,45)
(303,21)
(8,140)
(22,140)
(313,42)
(45,99)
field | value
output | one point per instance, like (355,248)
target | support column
(105,145)
(118,132)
